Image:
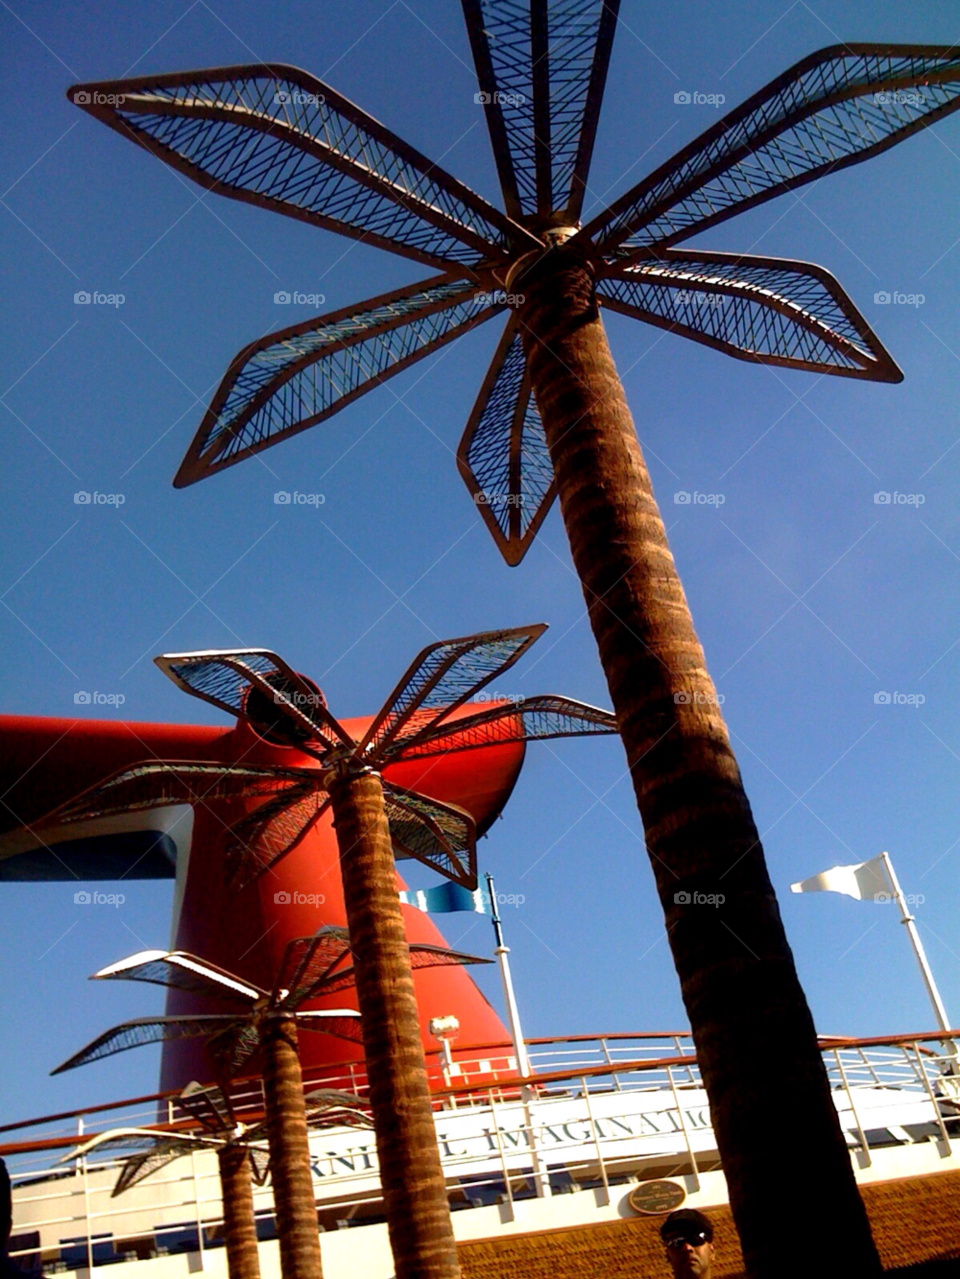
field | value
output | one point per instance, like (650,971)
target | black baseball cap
(686,1221)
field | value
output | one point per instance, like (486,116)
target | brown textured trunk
(239,1222)
(415,1196)
(293,1195)
(776,1125)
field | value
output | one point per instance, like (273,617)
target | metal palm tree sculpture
(311,968)
(552,419)
(426,716)
(242,1153)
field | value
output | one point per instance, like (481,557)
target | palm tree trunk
(239,1222)
(414,1192)
(293,1195)
(776,1125)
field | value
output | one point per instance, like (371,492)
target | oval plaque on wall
(656,1196)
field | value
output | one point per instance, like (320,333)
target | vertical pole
(513,1014)
(908,919)
(86,1199)
(196,1200)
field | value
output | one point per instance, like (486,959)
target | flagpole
(513,1014)
(908,919)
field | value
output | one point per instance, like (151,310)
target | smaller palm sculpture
(311,968)
(425,717)
(242,1154)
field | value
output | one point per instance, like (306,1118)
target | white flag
(867,881)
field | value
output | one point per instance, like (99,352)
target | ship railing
(591,1117)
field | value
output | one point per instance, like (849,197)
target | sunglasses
(696,1238)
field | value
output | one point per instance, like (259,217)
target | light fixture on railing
(445,1030)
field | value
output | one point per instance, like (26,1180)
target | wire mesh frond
(541,68)
(439,835)
(279,138)
(291,380)
(161,784)
(145,1030)
(837,107)
(441,678)
(329,1108)
(527,719)
(208,1105)
(341,1022)
(139,1167)
(768,310)
(259,686)
(308,963)
(180,971)
(260,840)
(422,955)
(503,456)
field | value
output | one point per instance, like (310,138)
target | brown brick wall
(914,1220)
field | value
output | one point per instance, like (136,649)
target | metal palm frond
(144,1030)
(770,310)
(503,456)
(298,377)
(837,107)
(279,138)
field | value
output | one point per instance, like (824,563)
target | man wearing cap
(688,1237)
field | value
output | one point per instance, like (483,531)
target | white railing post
(683,1126)
(503,1158)
(86,1200)
(862,1136)
(606,1052)
(196,1196)
(933,1100)
(596,1139)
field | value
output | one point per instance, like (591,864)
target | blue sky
(809,597)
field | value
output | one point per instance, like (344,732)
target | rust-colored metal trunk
(418,1211)
(293,1195)
(239,1222)
(776,1125)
